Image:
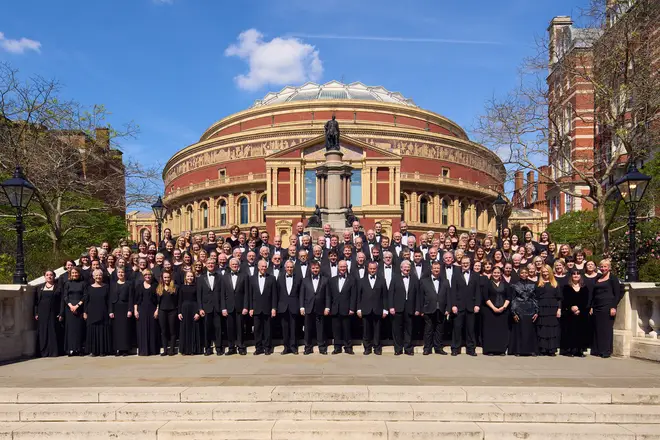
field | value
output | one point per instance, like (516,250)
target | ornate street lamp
(159,212)
(499,206)
(19,192)
(632,187)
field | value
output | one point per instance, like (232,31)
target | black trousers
(463,321)
(402,328)
(433,330)
(262,335)
(341,331)
(235,329)
(288,320)
(371,331)
(167,321)
(213,327)
(313,320)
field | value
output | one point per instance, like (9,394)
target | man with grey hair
(371,305)
(288,287)
(343,294)
(404,306)
(234,291)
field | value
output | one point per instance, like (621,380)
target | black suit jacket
(263,302)
(430,301)
(288,301)
(372,299)
(397,294)
(314,301)
(298,270)
(426,270)
(209,299)
(326,269)
(355,272)
(235,299)
(465,296)
(245,267)
(345,299)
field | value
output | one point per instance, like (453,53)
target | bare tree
(68,152)
(612,68)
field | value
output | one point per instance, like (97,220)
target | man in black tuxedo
(465,299)
(420,268)
(329,267)
(375,254)
(263,307)
(211,305)
(403,228)
(434,292)
(343,293)
(372,296)
(249,266)
(315,306)
(288,308)
(302,265)
(378,229)
(356,232)
(236,299)
(360,266)
(349,257)
(306,244)
(432,254)
(360,246)
(327,234)
(300,232)
(448,268)
(404,306)
(276,268)
(397,245)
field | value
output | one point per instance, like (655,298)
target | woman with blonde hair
(548,296)
(607,293)
(166,312)
(181,244)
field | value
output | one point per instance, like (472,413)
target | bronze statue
(332,135)
(350,217)
(314,220)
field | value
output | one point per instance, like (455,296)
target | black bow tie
(211,274)
(360,267)
(466,272)
(418,264)
(388,267)
(342,276)
(303,264)
(315,277)
(262,276)
(251,264)
(435,279)
(327,235)
(234,274)
(405,277)
(333,264)
(373,277)
(449,267)
(289,276)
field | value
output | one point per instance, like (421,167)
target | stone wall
(17,325)
(637,326)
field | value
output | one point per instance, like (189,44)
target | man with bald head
(327,234)
(300,232)
(356,232)
(343,293)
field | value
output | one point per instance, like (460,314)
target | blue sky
(176,66)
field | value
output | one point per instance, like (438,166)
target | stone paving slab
(166,411)
(547,413)
(361,411)
(321,394)
(76,412)
(216,430)
(433,431)
(457,412)
(263,411)
(227,394)
(393,393)
(554,431)
(142,394)
(626,413)
(330,430)
(513,395)
(644,432)
(88,431)
(68,395)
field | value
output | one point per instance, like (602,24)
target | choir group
(193,295)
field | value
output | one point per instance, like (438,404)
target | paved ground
(330,370)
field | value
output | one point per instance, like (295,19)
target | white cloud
(18,46)
(279,61)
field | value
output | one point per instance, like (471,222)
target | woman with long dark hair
(606,296)
(47,304)
(575,334)
(190,340)
(548,296)
(144,310)
(524,310)
(495,315)
(72,310)
(121,305)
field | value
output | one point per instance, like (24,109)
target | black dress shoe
(258,351)
(336,351)
(231,351)
(268,352)
(242,351)
(306,352)
(208,352)
(454,353)
(164,353)
(378,351)
(323,351)
(398,353)
(220,352)
(118,353)
(285,351)
(426,352)
(294,351)
(441,352)
(471,353)
(349,351)
(410,353)
(367,351)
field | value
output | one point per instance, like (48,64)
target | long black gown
(47,305)
(190,341)
(496,325)
(523,333)
(606,295)
(575,331)
(99,340)
(148,331)
(547,323)
(74,324)
(121,302)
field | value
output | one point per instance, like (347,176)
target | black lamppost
(159,212)
(499,206)
(632,187)
(19,193)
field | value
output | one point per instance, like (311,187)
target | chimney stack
(556,32)
(102,138)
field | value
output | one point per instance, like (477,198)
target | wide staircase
(330,412)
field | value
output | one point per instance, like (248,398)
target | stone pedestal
(334,213)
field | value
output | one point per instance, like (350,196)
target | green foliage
(577,228)
(650,271)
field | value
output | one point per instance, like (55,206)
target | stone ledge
(216,430)
(330,430)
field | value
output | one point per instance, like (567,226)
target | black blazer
(311,301)
(57,298)
(121,293)
(426,270)
(465,296)
(430,301)
(355,271)
(326,269)
(263,302)
(288,301)
(298,271)
(345,299)
(372,300)
(245,267)
(209,299)
(234,299)
(397,294)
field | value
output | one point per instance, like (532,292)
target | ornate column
(253,202)
(232,218)
(374,185)
(437,209)
(273,194)
(292,199)
(269,185)
(334,213)
(213,213)
(391,186)
(414,207)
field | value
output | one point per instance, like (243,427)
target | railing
(215,183)
(449,181)
(637,325)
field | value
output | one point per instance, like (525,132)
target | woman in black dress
(495,316)
(190,341)
(144,310)
(233,238)
(524,310)
(97,315)
(121,305)
(72,310)
(47,304)
(68,265)
(166,312)
(548,297)
(606,296)
(575,334)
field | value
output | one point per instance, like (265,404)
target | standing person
(343,294)
(607,293)
(495,316)
(72,310)
(371,305)
(465,303)
(190,340)
(166,311)
(97,315)
(263,307)
(524,309)
(434,299)
(211,306)
(575,334)
(548,296)
(144,310)
(47,303)
(288,308)
(404,304)
(121,305)
(235,296)
(315,306)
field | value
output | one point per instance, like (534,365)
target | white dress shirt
(342,281)
(211,279)
(372,280)
(315,283)
(303,269)
(289,284)
(388,275)
(262,283)
(406,284)
(234,278)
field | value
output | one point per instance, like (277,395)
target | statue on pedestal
(314,220)
(332,135)
(350,217)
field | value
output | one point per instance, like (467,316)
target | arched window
(191,222)
(424,210)
(205,216)
(445,212)
(223,213)
(264,205)
(243,211)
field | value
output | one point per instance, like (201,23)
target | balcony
(448,182)
(215,184)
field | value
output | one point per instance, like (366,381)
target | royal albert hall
(264,166)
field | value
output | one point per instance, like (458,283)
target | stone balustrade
(17,325)
(638,322)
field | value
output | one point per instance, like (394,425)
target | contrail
(395,39)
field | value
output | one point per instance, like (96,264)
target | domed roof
(333,90)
